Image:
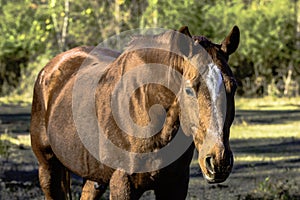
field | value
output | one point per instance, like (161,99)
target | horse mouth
(215,178)
(216,173)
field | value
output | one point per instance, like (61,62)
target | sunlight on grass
(257,158)
(263,158)
(265,131)
(268,103)
(286,129)
(270,126)
(15,100)
(16,140)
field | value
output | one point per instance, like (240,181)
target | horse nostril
(209,164)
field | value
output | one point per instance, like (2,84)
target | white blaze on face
(214,82)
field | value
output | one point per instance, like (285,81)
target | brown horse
(81,116)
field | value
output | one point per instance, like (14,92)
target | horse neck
(143,97)
(162,93)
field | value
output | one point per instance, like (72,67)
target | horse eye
(189,91)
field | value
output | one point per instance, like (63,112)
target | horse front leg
(53,180)
(121,187)
(53,176)
(92,190)
(175,189)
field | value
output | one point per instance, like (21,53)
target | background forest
(266,63)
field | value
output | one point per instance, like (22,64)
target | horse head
(207,103)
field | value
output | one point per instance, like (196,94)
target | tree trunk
(288,80)
(117,17)
(61,35)
(64,32)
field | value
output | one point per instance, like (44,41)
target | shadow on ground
(266,116)
(265,168)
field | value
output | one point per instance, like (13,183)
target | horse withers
(94,129)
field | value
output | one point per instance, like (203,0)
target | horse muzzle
(214,169)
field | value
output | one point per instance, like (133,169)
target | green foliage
(168,14)
(34,31)
(23,36)
(268,38)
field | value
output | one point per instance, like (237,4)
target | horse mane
(147,41)
(162,48)
(150,49)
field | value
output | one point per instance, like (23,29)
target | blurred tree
(92,21)
(268,39)
(34,31)
(61,33)
(166,14)
(23,33)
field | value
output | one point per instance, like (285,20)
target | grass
(267,103)
(285,129)
(16,140)
(263,158)
(8,142)
(269,133)
(15,100)
(289,129)
(244,131)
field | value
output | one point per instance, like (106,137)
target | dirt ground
(251,179)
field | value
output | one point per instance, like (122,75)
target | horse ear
(185,30)
(184,41)
(231,42)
